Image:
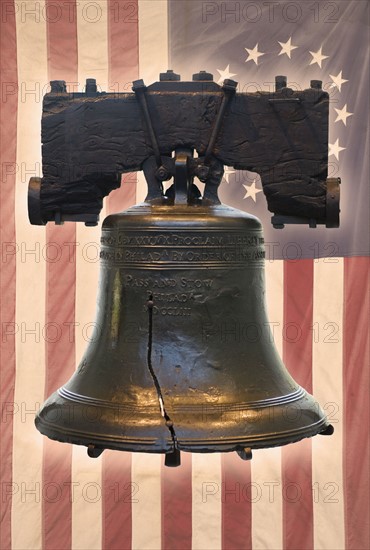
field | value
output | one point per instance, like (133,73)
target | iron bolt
(280,82)
(162,173)
(230,85)
(91,87)
(317,84)
(58,86)
(169,76)
(202,171)
(202,76)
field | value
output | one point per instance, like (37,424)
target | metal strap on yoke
(229,88)
(139,88)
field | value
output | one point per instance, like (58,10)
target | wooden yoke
(89,139)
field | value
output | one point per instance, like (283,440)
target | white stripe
(267,505)
(266,494)
(86,520)
(92,35)
(30,282)
(327,388)
(87,500)
(92,29)
(146,510)
(207,494)
(274,273)
(153,40)
(87,284)
(153,54)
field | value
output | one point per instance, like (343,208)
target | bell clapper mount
(93,451)
(329,430)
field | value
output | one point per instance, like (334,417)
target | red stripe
(177,505)
(123,38)
(60,300)
(236,501)
(297,355)
(356,383)
(8,152)
(119,493)
(298,314)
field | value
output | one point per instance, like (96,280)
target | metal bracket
(332,202)
(93,451)
(332,210)
(245,454)
(184,168)
(183,179)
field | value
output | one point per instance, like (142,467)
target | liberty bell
(182,357)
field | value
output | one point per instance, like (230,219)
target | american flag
(311,495)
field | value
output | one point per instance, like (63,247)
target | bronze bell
(182,357)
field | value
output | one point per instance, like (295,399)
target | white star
(343,114)
(254,54)
(228,173)
(287,47)
(335,148)
(337,81)
(318,57)
(225,73)
(251,190)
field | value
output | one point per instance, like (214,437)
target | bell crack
(164,414)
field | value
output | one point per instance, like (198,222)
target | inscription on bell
(182,282)
(175,240)
(197,250)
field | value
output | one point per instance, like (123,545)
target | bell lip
(131,444)
(165,444)
(264,441)
(63,417)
